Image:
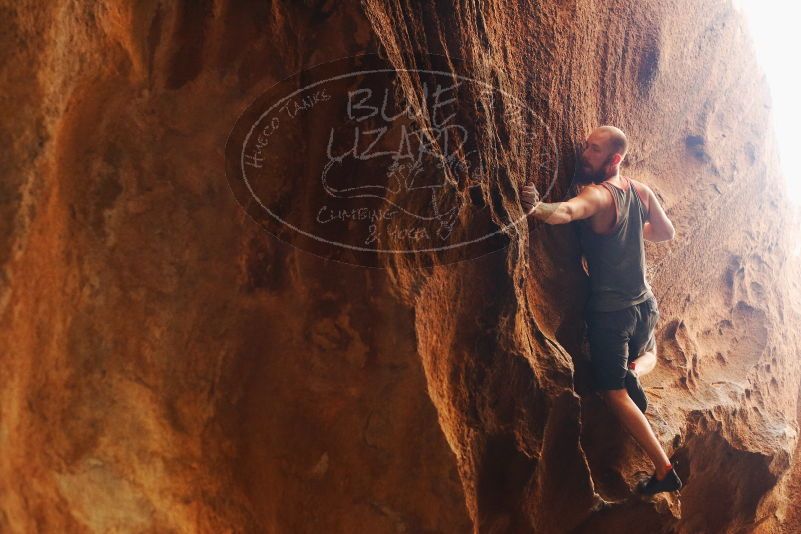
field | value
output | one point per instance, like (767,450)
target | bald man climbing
(615,214)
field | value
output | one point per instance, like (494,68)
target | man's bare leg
(636,423)
(645,363)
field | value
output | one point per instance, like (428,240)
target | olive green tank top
(616,261)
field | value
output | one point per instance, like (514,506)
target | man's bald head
(615,138)
(603,152)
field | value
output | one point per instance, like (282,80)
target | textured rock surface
(167,366)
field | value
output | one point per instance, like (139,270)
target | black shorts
(617,336)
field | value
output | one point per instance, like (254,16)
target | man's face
(595,160)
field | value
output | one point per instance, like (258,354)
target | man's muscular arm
(657,226)
(584,205)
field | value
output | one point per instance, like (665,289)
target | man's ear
(616,159)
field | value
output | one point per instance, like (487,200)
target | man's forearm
(552,213)
(649,234)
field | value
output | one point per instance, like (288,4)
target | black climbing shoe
(636,392)
(652,486)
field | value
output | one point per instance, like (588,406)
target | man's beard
(585,176)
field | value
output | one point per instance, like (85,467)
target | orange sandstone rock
(168,365)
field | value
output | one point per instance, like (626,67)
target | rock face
(169,366)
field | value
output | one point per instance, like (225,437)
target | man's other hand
(528,198)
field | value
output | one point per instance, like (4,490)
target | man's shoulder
(642,190)
(592,189)
(641,187)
